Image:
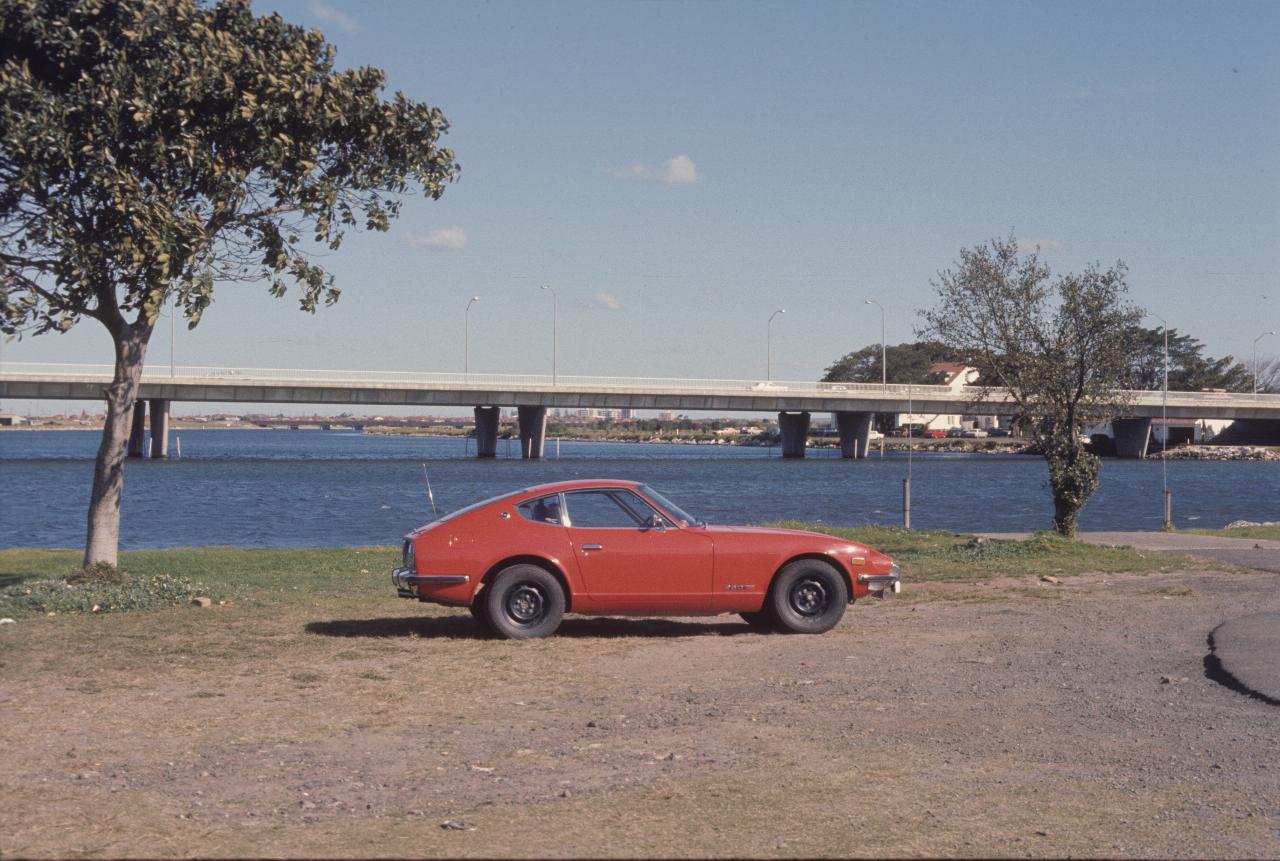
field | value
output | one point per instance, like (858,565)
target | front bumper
(883,583)
(405,581)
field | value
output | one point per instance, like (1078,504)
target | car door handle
(593,547)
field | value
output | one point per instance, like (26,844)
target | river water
(334,488)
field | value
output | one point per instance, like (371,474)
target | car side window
(544,509)
(600,509)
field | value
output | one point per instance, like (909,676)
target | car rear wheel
(808,597)
(524,602)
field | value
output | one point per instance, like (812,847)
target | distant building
(9,420)
(955,376)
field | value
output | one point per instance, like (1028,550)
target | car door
(632,561)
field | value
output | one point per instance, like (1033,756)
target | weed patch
(97,595)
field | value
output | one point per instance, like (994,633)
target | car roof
(578,484)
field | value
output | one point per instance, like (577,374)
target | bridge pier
(855,433)
(137,434)
(159,428)
(486,431)
(794,428)
(533,430)
(1132,437)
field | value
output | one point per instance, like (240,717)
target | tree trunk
(1066,516)
(102,542)
(1073,477)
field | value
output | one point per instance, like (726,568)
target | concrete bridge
(852,404)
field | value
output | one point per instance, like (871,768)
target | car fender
(553,567)
(829,558)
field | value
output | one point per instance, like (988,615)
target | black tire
(808,597)
(523,602)
(477,612)
(760,619)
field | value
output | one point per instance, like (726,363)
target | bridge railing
(425,379)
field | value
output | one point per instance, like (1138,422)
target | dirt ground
(1011,718)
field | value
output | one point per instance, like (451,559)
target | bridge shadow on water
(464,627)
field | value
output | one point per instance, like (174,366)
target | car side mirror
(656,523)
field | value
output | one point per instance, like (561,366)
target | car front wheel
(524,602)
(808,597)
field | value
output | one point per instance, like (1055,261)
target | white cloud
(341,20)
(1041,245)
(608,301)
(679,170)
(444,239)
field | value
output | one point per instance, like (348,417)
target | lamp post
(884,363)
(466,336)
(1164,420)
(555,313)
(1255,359)
(911,447)
(173,312)
(768,354)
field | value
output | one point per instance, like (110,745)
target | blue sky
(679,170)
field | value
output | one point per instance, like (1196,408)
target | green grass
(927,555)
(1264,532)
(34,581)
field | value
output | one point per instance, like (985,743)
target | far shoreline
(997,446)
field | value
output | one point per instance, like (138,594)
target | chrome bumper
(883,583)
(404,580)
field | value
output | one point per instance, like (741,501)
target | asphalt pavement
(1245,650)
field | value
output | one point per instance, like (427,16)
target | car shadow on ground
(465,627)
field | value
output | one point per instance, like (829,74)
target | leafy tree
(149,150)
(1060,348)
(1189,369)
(908,363)
(1268,375)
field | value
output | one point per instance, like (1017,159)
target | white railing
(565,383)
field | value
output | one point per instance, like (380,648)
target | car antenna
(430,495)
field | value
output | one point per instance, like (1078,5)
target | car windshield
(671,508)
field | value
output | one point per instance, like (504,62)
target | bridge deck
(373,388)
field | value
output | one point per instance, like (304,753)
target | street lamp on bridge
(466,336)
(1255,359)
(884,363)
(555,312)
(768,350)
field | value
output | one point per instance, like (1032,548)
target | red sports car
(521,561)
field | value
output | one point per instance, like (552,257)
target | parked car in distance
(974,433)
(520,561)
(934,433)
(955,433)
(998,432)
